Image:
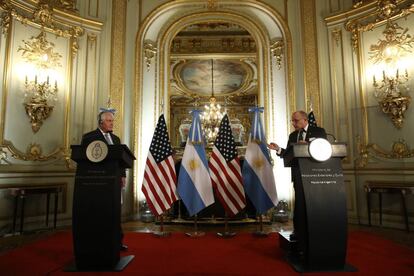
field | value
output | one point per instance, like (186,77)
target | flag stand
(260,232)
(226,233)
(196,233)
(161,233)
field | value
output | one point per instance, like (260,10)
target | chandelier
(212,115)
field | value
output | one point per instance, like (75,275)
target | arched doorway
(272,63)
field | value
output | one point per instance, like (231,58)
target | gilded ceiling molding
(117,80)
(311,68)
(277,48)
(399,150)
(6,16)
(66,5)
(150,51)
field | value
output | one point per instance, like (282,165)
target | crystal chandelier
(212,115)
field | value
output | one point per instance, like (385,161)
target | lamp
(211,117)
(389,90)
(40,95)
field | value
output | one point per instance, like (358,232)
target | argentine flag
(258,179)
(194,182)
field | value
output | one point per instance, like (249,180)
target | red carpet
(180,255)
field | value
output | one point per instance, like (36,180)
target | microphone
(331,135)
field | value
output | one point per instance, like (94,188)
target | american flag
(312,119)
(225,170)
(160,179)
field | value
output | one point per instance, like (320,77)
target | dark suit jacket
(96,134)
(313,132)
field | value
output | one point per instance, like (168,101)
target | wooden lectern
(321,236)
(96,214)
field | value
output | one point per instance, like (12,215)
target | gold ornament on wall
(40,52)
(277,48)
(149,53)
(40,94)
(399,150)
(388,54)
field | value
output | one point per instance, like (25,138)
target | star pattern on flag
(312,119)
(160,145)
(225,141)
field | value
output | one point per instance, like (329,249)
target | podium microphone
(331,135)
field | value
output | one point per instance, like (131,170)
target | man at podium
(304,133)
(104,133)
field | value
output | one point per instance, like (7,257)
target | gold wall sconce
(389,52)
(40,98)
(40,95)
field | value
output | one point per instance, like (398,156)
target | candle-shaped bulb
(47,80)
(35,79)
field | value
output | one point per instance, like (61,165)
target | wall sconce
(40,96)
(389,52)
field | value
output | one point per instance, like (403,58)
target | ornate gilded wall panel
(50,30)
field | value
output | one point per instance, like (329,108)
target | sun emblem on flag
(193,164)
(258,163)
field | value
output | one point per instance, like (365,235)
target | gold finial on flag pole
(109,102)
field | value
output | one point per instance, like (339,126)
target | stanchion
(226,233)
(260,232)
(161,233)
(196,233)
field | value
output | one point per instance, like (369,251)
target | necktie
(301,135)
(108,138)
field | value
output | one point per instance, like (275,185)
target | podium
(321,235)
(96,215)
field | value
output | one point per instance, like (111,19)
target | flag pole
(161,233)
(226,233)
(260,232)
(196,233)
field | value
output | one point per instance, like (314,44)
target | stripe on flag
(159,185)
(225,170)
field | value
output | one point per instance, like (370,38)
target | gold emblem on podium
(96,151)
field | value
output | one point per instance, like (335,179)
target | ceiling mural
(203,77)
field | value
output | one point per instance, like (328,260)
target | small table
(21,193)
(402,188)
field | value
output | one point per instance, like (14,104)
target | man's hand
(123,182)
(273,146)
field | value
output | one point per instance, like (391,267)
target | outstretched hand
(273,146)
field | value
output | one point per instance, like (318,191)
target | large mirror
(213,68)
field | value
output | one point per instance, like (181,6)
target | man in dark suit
(304,133)
(104,133)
